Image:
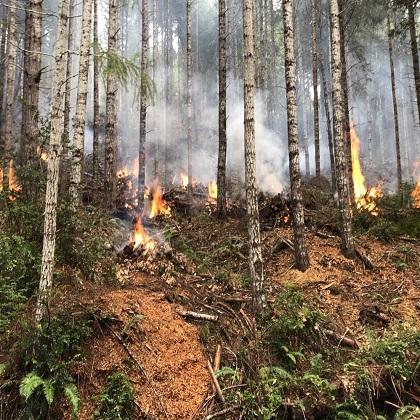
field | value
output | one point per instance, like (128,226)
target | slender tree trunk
(54,154)
(315,86)
(370,131)
(143,103)
(221,165)
(155,64)
(3,53)
(95,151)
(347,242)
(395,109)
(111,111)
(10,90)
(328,123)
(301,254)
(414,53)
(167,41)
(346,120)
(189,92)
(66,153)
(79,119)
(255,254)
(32,78)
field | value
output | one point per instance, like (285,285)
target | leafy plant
(117,400)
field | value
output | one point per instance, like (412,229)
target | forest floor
(166,355)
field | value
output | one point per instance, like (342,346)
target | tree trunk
(155,64)
(347,242)
(10,90)
(111,111)
(3,52)
(345,96)
(189,93)
(143,104)
(167,41)
(315,87)
(95,151)
(54,154)
(255,254)
(414,53)
(221,165)
(328,123)
(32,77)
(395,109)
(79,119)
(301,254)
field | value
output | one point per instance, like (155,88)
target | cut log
(342,339)
(199,316)
(365,260)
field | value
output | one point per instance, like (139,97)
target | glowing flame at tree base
(365,198)
(415,194)
(141,240)
(212,189)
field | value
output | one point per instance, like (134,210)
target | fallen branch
(342,339)
(222,412)
(199,316)
(365,260)
(324,235)
(215,382)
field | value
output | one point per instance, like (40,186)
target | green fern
(29,384)
(71,393)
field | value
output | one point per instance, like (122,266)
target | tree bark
(143,104)
(53,168)
(346,120)
(3,52)
(414,53)
(111,111)
(79,119)
(32,78)
(255,254)
(221,165)
(395,109)
(347,242)
(155,64)
(95,151)
(301,254)
(315,87)
(189,93)
(328,123)
(10,90)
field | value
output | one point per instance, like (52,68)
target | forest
(209,209)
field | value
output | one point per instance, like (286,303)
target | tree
(79,119)
(95,151)
(53,168)
(414,52)
(111,109)
(3,53)
(221,164)
(189,93)
(301,254)
(143,104)
(254,239)
(347,242)
(314,9)
(10,91)
(395,108)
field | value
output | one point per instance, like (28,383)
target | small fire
(212,187)
(141,239)
(122,173)
(1,179)
(184,180)
(365,197)
(42,155)
(415,194)
(159,206)
(14,186)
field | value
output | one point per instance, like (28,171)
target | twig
(215,382)
(365,259)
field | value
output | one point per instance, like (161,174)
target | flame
(415,194)
(14,186)
(212,187)
(159,206)
(122,173)
(184,180)
(1,179)
(42,155)
(365,197)
(140,238)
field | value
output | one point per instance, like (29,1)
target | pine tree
(221,164)
(254,239)
(79,119)
(347,242)
(53,169)
(301,254)
(95,151)
(189,93)
(314,9)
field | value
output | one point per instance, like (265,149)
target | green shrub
(117,400)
